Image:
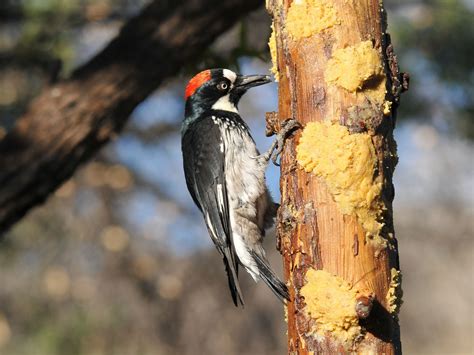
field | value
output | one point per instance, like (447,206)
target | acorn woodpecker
(225,174)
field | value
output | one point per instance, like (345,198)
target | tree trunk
(71,120)
(339,77)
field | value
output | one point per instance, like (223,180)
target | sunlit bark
(338,76)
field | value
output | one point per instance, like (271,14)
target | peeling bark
(72,119)
(314,232)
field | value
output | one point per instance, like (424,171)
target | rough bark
(314,234)
(72,119)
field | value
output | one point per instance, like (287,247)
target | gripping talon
(289,125)
(277,147)
(286,127)
(275,160)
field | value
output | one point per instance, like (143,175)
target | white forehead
(229,74)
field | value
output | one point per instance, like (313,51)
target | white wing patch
(220,197)
(211,228)
(224,104)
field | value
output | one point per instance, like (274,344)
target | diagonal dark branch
(71,120)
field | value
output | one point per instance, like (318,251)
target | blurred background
(118,261)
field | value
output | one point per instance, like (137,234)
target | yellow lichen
(394,293)
(358,68)
(387,108)
(346,162)
(272,44)
(375,92)
(330,302)
(308,17)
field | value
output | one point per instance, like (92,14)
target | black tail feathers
(272,281)
(231,267)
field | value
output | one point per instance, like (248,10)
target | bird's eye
(222,86)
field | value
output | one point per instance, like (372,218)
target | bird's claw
(278,149)
(287,127)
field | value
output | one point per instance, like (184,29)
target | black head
(219,89)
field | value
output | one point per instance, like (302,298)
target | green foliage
(444,33)
(433,39)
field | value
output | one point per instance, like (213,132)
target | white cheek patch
(224,104)
(229,74)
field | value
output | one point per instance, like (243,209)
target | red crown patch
(196,82)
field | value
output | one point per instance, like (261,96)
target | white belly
(247,195)
(245,173)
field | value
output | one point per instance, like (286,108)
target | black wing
(204,159)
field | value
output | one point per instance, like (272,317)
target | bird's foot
(276,148)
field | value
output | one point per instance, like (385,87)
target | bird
(225,174)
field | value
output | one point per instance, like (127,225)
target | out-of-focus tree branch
(69,121)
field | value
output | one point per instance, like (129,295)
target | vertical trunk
(338,76)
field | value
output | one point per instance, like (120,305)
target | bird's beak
(244,82)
